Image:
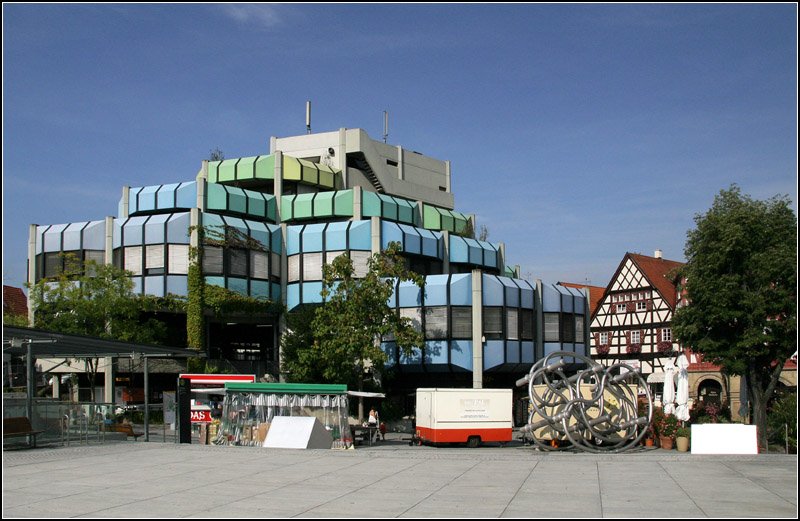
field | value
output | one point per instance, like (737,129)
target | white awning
(655,378)
(366,394)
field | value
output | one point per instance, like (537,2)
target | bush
(683,432)
(781,417)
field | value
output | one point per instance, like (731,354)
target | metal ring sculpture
(596,409)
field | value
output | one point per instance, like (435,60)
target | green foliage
(683,432)
(297,354)
(97,300)
(15,320)
(348,327)
(741,282)
(782,421)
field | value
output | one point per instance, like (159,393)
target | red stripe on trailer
(462,435)
(218,378)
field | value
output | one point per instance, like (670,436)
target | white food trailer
(471,416)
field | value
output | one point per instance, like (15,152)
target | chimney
(659,254)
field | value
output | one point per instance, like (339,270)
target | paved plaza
(127,479)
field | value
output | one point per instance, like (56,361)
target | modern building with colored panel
(312,198)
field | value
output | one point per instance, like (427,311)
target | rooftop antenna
(308,117)
(385,125)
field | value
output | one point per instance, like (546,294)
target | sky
(576,132)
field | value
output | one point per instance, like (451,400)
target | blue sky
(576,133)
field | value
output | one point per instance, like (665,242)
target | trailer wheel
(473,441)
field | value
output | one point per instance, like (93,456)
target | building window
(179,259)
(360,263)
(527,324)
(435,323)
(621,308)
(567,327)
(237,262)
(636,337)
(212,260)
(579,329)
(641,305)
(258,264)
(133,259)
(551,325)
(461,322)
(414,315)
(294,268)
(493,323)
(604,338)
(512,324)
(154,259)
(666,334)
(312,266)
(52,265)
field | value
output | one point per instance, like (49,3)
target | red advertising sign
(201,416)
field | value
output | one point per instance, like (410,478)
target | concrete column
(501,254)
(447,173)
(194,222)
(278,182)
(357,210)
(284,286)
(400,173)
(477,329)
(538,303)
(108,254)
(202,179)
(420,214)
(376,234)
(124,209)
(31,267)
(341,154)
(273,142)
(108,362)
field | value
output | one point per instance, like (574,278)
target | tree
(355,316)
(216,155)
(95,300)
(741,283)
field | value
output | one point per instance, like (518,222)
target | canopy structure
(38,343)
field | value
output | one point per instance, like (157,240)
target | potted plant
(682,435)
(666,431)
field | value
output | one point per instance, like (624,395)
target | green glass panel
(245,168)
(370,204)
(302,206)
(216,197)
(310,173)
(265,167)
(287,207)
(389,208)
(343,202)
(227,170)
(237,200)
(447,221)
(213,171)
(272,208)
(291,169)
(431,218)
(256,205)
(323,204)
(459,221)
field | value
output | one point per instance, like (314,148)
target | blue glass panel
(461,289)
(459,251)
(292,296)
(178,285)
(312,238)
(293,239)
(431,243)
(436,290)
(165,198)
(415,358)
(336,236)
(461,353)
(410,296)
(51,239)
(493,354)
(511,292)
(132,196)
(236,222)
(527,353)
(276,291)
(475,252)
(212,220)
(490,258)
(277,238)
(392,302)
(551,347)
(154,286)
(311,292)
(551,298)
(493,291)
(527,294)
(436,352)
(216,281)
(134,231)
(413,243)
(137,285)
(390,232)
(178,228)
(116,239)
(566,299)
(390,348)
(72,236)
(512,352)
(94,236)
(237,285)
(147,198)
(580,349)
(154,229)
(186,196)
(361,235)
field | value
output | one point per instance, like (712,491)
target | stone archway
(709,390)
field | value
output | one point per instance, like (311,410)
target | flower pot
(666,442)
(648,442)
(682,443)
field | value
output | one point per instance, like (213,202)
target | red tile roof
(661,274)
(14,301)
(595,294)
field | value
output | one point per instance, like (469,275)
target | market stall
(248,411)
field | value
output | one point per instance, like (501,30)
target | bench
(19,426)
(125,428)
